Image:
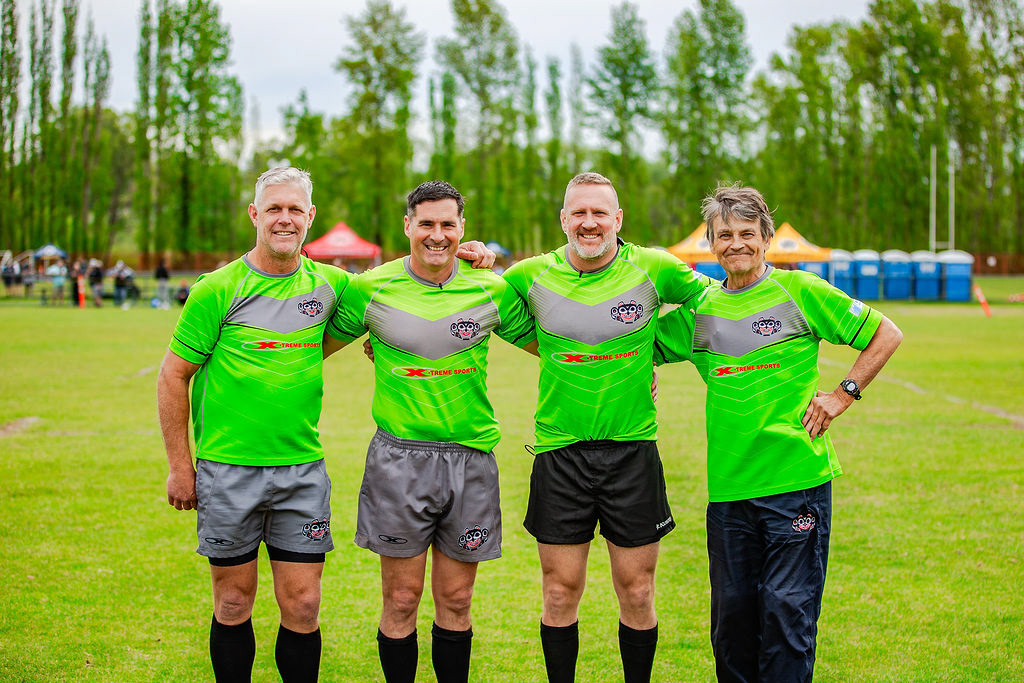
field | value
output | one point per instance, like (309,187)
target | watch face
(850,386)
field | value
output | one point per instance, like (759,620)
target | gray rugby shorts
(286,506)
(418,493)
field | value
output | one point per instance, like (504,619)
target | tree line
(837,131)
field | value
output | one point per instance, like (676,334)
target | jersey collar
(764,276)
(430,283)
(246,261)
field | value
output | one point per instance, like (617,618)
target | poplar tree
(380,64)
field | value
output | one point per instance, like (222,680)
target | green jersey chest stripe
(430,339)
(752,332)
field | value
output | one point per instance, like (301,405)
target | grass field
(99,581)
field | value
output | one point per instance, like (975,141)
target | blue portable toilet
(867,269)
(819,268)
(956,274)
(842,270)
(927,276)
(896,273)
(711,269)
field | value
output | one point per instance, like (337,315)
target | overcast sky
(282,46)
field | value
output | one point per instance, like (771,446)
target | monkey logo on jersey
(311,307)
(766,327)
(317,530)
(465,329)
(628,313)
(473,538)
(803,523)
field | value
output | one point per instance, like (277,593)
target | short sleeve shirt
(430,346)
(757,350)
(257,336)
(595,334)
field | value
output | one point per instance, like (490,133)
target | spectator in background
(58,274)
(162,276)
(182,293)
(96,283)
(120,283)
(28,279)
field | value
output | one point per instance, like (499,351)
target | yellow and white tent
(787,246)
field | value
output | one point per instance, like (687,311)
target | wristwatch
(850,386)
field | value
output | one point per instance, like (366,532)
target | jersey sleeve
(517,325)
(198,328)
(673,341)
(347,322)
(834,316)
(676,282)
(519,279)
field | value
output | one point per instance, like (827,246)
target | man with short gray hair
(596,302)
(251,335)
(770,460)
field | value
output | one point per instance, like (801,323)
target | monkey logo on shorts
(465,329)
(311,307)
(628,313)
(473,538)
(803,523)
(317,530)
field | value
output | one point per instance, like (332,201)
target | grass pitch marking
(16,426)
(1017,420)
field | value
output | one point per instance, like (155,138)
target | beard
(591,252)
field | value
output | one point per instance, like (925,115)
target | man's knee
(403,599)
(456,599)
(562,594)
(233,605)
(301,605)
(638,594)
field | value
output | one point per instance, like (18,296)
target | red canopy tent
(342,242)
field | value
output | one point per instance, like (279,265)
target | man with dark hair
(595,302)
(431,479)
(771,463)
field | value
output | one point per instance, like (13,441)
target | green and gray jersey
(595,333)
(757,350)
(256,399)
(430,348)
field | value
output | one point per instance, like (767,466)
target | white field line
(1017,420)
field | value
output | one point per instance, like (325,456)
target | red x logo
(415,372)
(573,358)
(267,345)
(727,370)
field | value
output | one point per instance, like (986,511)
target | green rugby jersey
(430,348)
(757,350)
(256,399)
(595,333)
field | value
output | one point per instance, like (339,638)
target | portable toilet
(866,271)
(956,274)
(711,269)
(927,276)
(896,272)
(819,268)
(842,270)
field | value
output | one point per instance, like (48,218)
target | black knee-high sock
(561,646)
(232,651)
(398,657)
(451,650)
(297,655)
(637,651)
